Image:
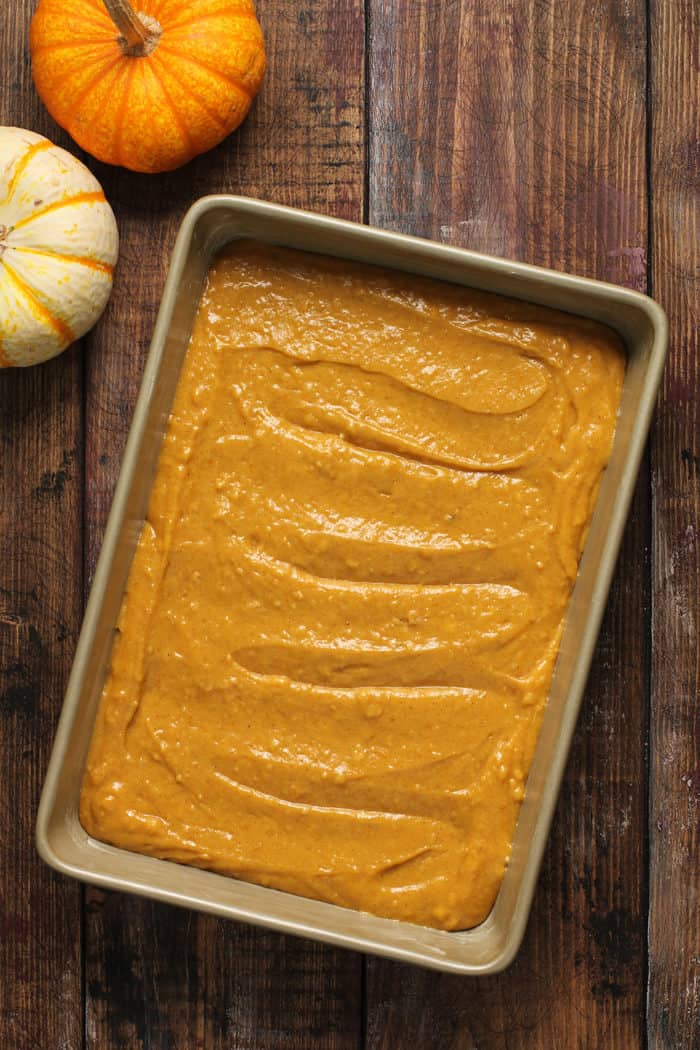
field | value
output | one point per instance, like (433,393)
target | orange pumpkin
(147,90)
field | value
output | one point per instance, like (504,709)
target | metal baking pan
(61,840)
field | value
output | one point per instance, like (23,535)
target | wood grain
(41,478)
(523,134)
(159,977)
(674,797)
(512,126)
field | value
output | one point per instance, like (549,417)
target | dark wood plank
(674,797)
(40,601)
(158,977)
(519,128)
(40,604)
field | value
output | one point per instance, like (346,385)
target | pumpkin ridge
(36,147)
(4,359)
(84,260)
(104,66)
(189,142)
(97,61)
(94,26)
(196,98)
(226,10)
(73,45)
(104,69)
(156,8)
(119,122)
(59,326)
(210,69)
(92,12)
(78,198)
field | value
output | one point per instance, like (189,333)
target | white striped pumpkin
(58,248)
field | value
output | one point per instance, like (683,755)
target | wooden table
(561,133)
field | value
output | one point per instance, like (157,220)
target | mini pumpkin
(147,90)
(58,247)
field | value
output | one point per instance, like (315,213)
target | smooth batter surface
(344,611)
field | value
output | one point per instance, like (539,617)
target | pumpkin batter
(345,607)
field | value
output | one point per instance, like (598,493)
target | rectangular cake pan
(211,223)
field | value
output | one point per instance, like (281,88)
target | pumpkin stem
(139,33)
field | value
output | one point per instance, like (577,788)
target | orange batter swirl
(343,614)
